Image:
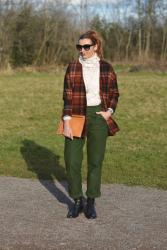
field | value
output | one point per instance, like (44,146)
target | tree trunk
(164,43)
(128,45)
(148,37)
(139,12)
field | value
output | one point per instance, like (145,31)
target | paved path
(33,216)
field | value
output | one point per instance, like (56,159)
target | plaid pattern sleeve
(67,93)
(113,89)
(74,94)
(109,93)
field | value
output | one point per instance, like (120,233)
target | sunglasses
(85,46)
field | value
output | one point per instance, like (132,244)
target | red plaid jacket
(74,94)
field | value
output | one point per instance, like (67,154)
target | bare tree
(150,18)
(139,13)
(163,18)
(34,32)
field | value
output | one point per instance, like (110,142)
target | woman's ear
(95,48)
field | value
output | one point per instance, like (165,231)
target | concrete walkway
(33,216)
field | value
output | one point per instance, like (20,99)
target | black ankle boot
(90,212)
(76,209)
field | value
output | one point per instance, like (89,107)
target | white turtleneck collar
(91,73)
(90,62)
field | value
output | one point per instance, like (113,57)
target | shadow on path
(46,165)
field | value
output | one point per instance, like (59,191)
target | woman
(90,89)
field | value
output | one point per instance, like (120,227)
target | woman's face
(87,53)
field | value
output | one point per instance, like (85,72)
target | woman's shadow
(46,165)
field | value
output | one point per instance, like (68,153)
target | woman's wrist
(110,110)
(66,118)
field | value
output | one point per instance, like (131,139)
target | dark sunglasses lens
(79,47)
(86,47)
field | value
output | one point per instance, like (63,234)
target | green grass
(31,105)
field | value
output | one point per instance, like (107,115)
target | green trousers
(96,135)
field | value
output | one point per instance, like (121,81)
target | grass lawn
(30,109)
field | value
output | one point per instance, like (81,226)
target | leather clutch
(77,124)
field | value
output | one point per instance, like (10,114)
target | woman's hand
(106,114)
(67,130)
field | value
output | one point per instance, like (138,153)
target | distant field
(30,108)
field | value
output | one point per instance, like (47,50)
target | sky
(79,1)
(112,10)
